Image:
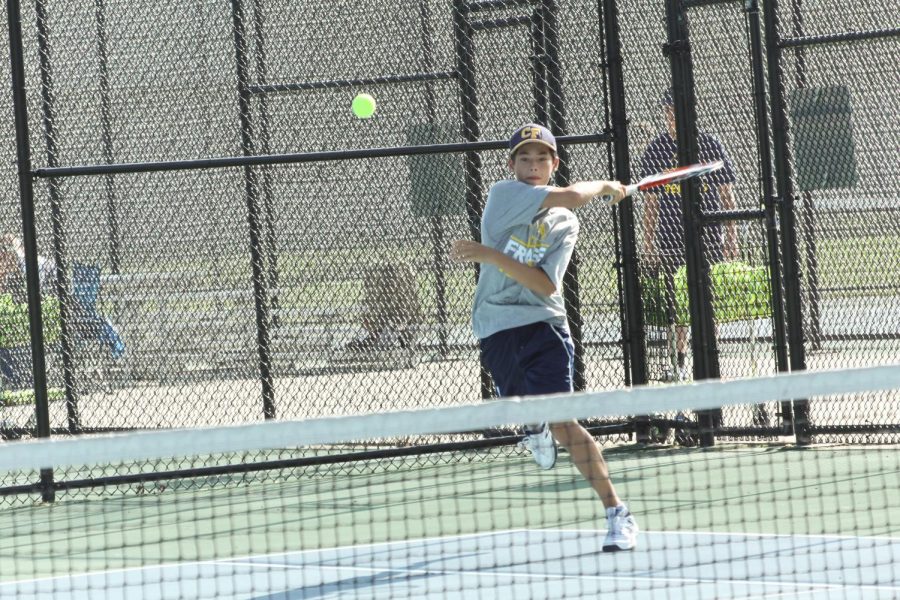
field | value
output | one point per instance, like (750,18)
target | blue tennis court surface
(517,564)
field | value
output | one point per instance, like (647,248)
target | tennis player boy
(528,234)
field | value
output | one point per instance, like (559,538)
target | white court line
(793,594)
(216,561)
(667,579)
(888,538)
(433,539)
(261,561)
(544,576)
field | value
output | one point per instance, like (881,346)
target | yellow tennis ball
(363,106)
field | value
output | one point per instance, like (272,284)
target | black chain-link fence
(180,291)
(840,81)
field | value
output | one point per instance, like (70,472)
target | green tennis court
(738,522)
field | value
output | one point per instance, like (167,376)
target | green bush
(740,292)
(14,329)
(26,397)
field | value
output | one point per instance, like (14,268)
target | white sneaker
(541,444)
(623,530)
(679,374)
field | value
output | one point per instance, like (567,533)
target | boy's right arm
(579,194)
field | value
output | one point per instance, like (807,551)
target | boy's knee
(564,431)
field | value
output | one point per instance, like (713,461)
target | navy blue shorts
(530,360)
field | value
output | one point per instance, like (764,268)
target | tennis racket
(661,179)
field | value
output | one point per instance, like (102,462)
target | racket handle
(629,190)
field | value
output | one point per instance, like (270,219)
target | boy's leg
(548,365)
(500,356)
(622,527)
(587,458)
(539,441)
(548,362)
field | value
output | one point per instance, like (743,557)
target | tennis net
(294,510)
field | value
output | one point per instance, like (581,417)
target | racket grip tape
(629,190)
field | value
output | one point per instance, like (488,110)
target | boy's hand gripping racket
(661,179)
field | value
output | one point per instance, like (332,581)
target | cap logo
(531,133)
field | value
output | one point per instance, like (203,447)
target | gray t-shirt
(514,223)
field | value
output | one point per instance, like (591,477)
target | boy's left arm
(533,278)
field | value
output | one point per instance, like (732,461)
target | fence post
(633,334)
(814,320)
(703,333)
(436,222)
(270,245)
(556,122)
(471,131)
(112,219)
(765,162)
(60,253)
(251,184)
(785,192)
(29,237)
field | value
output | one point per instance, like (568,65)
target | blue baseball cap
(531,132)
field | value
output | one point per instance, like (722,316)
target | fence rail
(264,253)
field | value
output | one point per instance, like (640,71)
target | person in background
(663,225)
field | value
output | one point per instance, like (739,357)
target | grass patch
(25,397)
(858,265)
(332,280)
